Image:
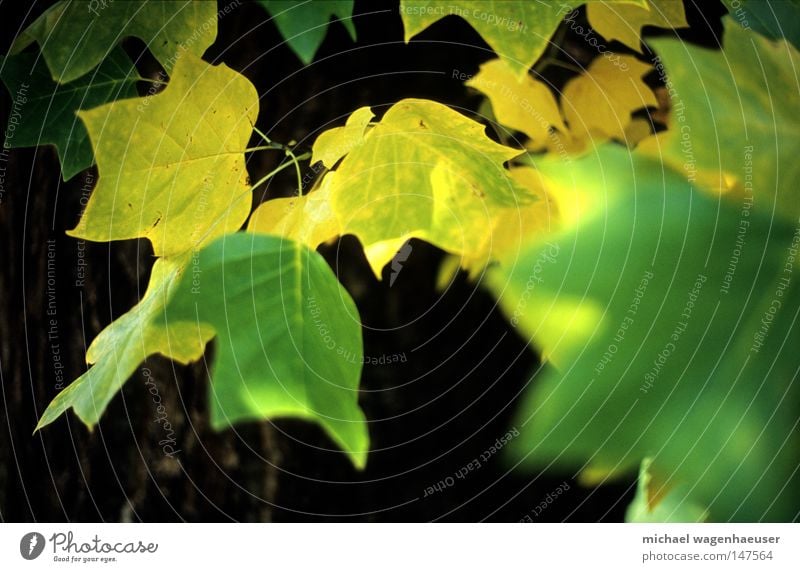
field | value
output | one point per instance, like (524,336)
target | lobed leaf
(125,343)
(528,106)
(624,22)
(598,103)
(423,171)
(46,110)
(177,176)
(75,35)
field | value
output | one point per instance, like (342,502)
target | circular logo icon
(31,545)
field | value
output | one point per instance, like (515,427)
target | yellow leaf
(128,341)
(308,219)
(624,22)
(423,171)
(335,143)
(598,104)
(177,176)
(527,105)
(514,228)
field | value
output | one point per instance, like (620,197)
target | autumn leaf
(624,22)
(423,171)
(177,176)
(125,343)
(598,103)
(528,106)
(308,219)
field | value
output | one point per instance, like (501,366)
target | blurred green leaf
(734,112)
(654,503)
(669,319)
(774,19)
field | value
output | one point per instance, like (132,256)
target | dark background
(430,416)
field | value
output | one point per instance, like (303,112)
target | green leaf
(45,110)
(775,20)
(623,22)
(124,344)
(172,166)
(303,24)
(423,171)
(655,504)
(518,31)
(669,323)
(75,36)
(734,113)
(289,336)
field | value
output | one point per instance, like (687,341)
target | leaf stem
(295,161)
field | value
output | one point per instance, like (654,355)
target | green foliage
(774,20)
(746,104)
(289,335)
(658,342)
(47,109)
(658,285)
(125,343)
(518,32)
(75,37)
(654,503)
(303,24)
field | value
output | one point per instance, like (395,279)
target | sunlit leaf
(172,166)
(528,106)
(598,103)
(308,219)
(124,344)
(423,171)
(289,336)
(624,22)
